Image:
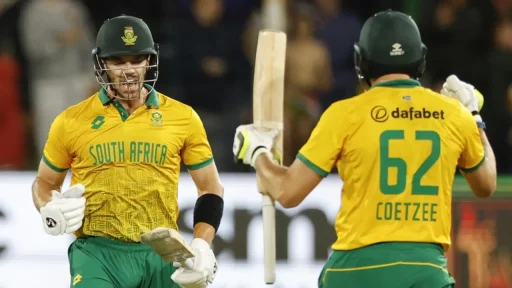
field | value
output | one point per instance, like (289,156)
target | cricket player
(396,148)
(124,146)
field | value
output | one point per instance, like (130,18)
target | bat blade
(268,98)
(170,245)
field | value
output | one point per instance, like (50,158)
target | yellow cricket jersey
(396,148)
(129,164)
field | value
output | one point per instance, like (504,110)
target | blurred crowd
(207,50)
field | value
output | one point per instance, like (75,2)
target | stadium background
(207,51)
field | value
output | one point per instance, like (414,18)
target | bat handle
(187,264)
(269,236)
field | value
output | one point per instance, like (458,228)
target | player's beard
(129,88)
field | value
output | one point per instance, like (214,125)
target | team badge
(129,37)
(156,119)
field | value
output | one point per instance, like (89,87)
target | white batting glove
(65,212)
(203,270)
(250,143)
(462,91)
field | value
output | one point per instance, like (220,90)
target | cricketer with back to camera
(124,146)
(396,148)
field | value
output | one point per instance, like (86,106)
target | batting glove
(65,212)
(462,91)
(201,272)
(250,143)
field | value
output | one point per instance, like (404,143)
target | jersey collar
(399,83)
(152,100)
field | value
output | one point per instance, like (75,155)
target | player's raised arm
(482,176)
(477,162)
(291,185)
(288,185)
(198,158)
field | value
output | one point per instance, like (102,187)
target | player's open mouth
(129,85)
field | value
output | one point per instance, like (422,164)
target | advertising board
(481,230)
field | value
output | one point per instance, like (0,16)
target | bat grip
(188,264)
(269,239)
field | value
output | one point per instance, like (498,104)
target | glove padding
(249,143)
(203,270)
(65,212)
(462,91)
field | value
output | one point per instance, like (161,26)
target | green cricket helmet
(125,36)
(389,43)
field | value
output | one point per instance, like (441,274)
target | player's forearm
(41,192)
(270,175)
(205,231)
(482,179)
(210,203)
(212,188)
(490,160)
(487,183)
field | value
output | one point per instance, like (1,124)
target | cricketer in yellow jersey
(124,146)
(396,148)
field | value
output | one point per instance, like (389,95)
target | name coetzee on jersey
(381,114)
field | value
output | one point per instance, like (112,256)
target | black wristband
(209,209)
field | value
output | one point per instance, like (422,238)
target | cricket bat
(268,98)
(170,245)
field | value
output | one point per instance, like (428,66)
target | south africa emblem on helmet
(156,119)
(129,37)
